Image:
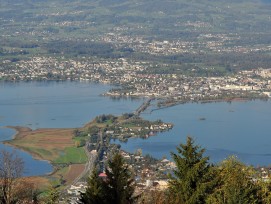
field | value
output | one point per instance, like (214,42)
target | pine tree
(192,180)
(117,188)
(120,184)
(95,191)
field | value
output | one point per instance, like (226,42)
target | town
(135,81)
(165,52)
(99,136)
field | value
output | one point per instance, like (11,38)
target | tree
(77,143)
(264,191)
(52,196)
(235,184)
(192,179)
(95,193)
(120,182)
(153,197)
(11,169)
(76,133)
(118,187)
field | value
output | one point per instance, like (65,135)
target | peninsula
(73,152)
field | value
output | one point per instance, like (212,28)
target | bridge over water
(143,107)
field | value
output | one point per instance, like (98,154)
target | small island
(202,118)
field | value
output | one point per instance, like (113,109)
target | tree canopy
(117,187)
(235,183)
(192,180)
(95,193)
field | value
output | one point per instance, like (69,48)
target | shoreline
(207,101)
(19,130)
(22,132)
(34,156)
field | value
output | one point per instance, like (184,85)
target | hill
(228,35)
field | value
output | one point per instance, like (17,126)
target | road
(88,166)
(143,107)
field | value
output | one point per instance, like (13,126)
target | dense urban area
(170,52)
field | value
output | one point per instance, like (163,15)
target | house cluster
(206,42)
(247,84)
(85,69)
(137,82)
(263,173)
(142,131)
(74,192)
(149,173)
(154,47)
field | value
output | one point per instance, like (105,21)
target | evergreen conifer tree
(120,183)
(117,188)
(192,180)
(95,191)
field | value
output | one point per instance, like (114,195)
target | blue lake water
(32,166)
(266,1)
(240,128)
(53,105)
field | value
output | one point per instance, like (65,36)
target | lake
(241,128)
(223,129)
(53,105)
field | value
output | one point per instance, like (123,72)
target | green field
(72,155)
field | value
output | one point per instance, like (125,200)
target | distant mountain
(223,15)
